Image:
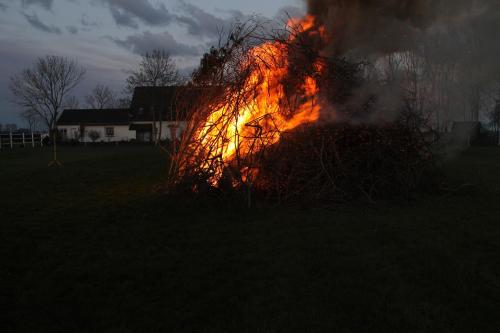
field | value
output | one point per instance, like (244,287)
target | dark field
(89,248)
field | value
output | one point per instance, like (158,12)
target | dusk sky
(107,36)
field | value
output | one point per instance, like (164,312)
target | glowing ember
(260,111)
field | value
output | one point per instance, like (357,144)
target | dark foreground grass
(89,248)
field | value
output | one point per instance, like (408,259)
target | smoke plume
(392,25)
(460,34)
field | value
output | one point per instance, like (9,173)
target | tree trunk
(160,125)
(153,134)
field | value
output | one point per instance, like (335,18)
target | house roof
(172,101)
(94,117)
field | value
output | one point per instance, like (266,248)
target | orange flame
(260,119)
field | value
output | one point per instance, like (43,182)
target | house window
(110,131)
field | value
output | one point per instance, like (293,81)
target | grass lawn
(90,248)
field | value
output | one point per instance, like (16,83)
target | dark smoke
(464,34)
(371,26)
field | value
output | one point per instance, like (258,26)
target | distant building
(154,112)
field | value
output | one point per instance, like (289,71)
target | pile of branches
(334,163)
(323,162)
(229,80)
(328,164)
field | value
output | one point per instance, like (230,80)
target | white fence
(10,140)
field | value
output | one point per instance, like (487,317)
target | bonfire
(256,91)
(257,109)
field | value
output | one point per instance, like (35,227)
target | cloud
(148,41)
(47,4)
(198,22)
(87,23)
(202,23)
(126,12)
(72,29)
(35,22)
(3,6)
(123,18)
(130,13)
(287,12)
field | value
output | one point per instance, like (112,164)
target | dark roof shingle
(94,117)
(173,101)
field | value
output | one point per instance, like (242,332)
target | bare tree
(123,102)
(71,102)
(31,119)
(156,69)
(101,97)
(10,127)
(43,88)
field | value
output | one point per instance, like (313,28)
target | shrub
(94,135)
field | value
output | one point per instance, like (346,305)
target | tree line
(45,89)
(8,127)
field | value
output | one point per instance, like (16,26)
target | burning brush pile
(273,118)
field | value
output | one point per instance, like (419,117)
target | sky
(107,37)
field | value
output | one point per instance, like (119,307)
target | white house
(153,111)
(111,125)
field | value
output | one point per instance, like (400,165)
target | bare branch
(101,97)
(43,88)
(157,69)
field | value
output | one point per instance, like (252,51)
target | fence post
(1,144)
(41,140)
(10,136)
(33,139)
(24,141)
